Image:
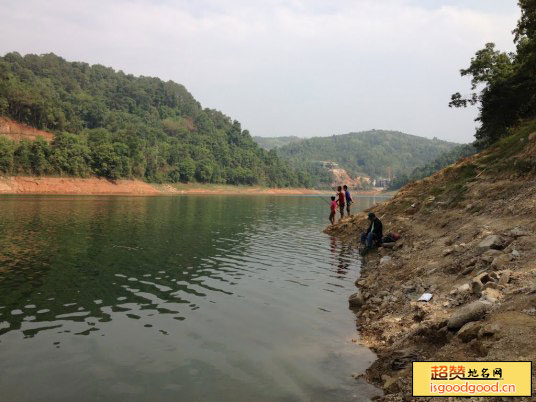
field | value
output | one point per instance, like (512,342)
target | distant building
(382,182)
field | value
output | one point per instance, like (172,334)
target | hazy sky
(294,67)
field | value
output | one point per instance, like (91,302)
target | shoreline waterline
(31,185)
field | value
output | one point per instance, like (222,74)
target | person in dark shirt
(349,200)
(341,196)
(374,233)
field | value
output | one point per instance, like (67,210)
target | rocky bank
(469,238)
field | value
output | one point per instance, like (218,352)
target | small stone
(501,261)
(478,347)
(516,254)
(471,312)
(517,232)
(375,300)
(491,295)
(489,330)
(505,277)
(385,260)
(471,262)
(490,285)
(478,282)
(356,299)
(490,255)
(390,385)
(469,331)
(468,270)
(492,242)
(447,251)
(465,288)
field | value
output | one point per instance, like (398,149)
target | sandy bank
(89,186)
(216,189)
(99,186)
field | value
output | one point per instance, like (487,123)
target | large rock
(494,242)
(469,331)
(471,312)
(356,299)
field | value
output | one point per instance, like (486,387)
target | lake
(191,298)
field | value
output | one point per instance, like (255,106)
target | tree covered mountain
(269,143)
(108,123)
(374,153)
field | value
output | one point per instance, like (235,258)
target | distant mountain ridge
(269,143)
(375,153)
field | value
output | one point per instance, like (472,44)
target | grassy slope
(442,220)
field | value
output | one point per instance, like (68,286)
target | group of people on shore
(343,200)
(340,201)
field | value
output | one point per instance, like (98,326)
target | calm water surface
(176,298)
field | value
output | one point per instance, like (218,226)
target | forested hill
(108,123)
(374,153)
(275,142)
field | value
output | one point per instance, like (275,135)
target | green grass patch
(499,157)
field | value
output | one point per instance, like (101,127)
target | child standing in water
(333,210)
(349,199)
(341,200)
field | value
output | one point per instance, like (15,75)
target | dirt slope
(16,131)
(340,177)
(469,238)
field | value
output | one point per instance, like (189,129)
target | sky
(294,67)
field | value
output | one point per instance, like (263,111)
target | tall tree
(508,81)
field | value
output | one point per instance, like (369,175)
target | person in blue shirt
(349,199)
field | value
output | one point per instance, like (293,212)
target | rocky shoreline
(481,296)
(474,251)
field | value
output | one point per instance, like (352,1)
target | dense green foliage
(269,143)
(373,153)
(115,125)
(444,160)
(508,81)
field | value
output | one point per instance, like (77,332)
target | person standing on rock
(349,199)
(374,233)
(341,200)
(333,209)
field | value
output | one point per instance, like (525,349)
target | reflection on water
(191,298)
